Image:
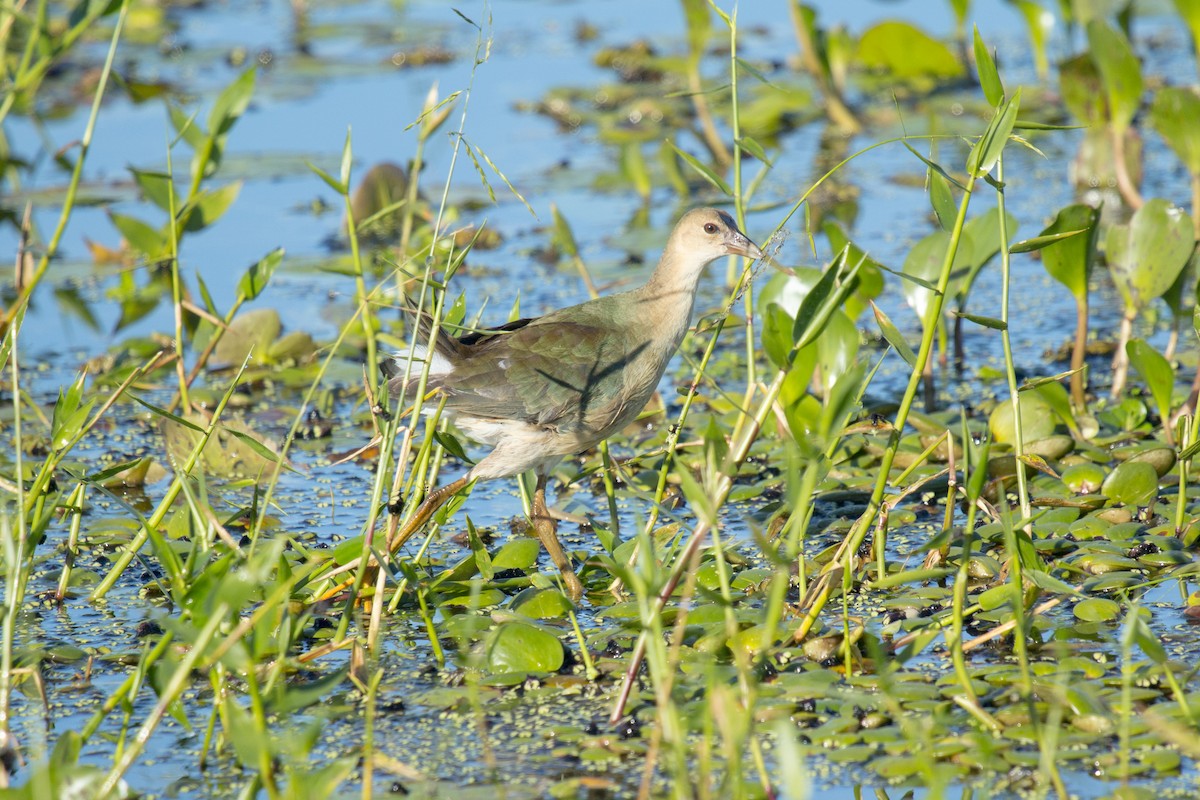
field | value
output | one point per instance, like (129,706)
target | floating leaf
(906,52)
(1147,255)
(1175,114)
(1119,70)
(520,647)
(1132,483)
(1155,371)
(1069,261)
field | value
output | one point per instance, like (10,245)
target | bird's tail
(409,362)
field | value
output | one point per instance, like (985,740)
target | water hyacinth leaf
(521,647)
(989,77)
(1119,71)
(1133,483)
(1155,370)
(379,196)
(1070,260)
(1175,114)
(1096,609)
(1082,90)
(519,554)
(1189,11)
(825,298)
(249,332)
(1037,419)
(868,284)
(906,53)
(893,336)
(542,603)
(258,275)
(777,334)
(991,144)
(1147,255)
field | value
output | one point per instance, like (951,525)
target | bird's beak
(739,245)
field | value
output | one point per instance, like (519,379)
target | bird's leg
(433,502)
(547,532)
(436,499)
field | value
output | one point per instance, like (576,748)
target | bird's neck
(668,297)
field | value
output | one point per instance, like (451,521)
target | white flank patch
(439,365)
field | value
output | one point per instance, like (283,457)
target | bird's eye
(710,227)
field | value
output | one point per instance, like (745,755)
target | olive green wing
(562,374)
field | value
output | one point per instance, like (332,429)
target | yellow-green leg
(547,531)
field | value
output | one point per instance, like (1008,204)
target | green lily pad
(542,603)
(1097,609)
(1133,483)
(517,554)
(1037,420)
(519,647)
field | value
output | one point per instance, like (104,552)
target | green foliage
(1146,256)
(1070,260)
(1175,113)
(906,53)
(1119,70)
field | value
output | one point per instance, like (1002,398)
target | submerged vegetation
(868,537)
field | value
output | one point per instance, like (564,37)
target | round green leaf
(1037,419)
(517,647)
(1147,255)
(1097,609)
(542,603)
(1070,260)
(1133,483)
(517,554)
(907,52)
(1176,116)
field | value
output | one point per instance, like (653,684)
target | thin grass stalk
(360,284)
(16,568)
(163,508)
(737,454)
(1125,710)
(1187,427)
(85,143)
(176,282)
(129,687)
(258,716)
(75,504)
(1010,369)
(179,681)
(821,591)
(368,747)
(216,679)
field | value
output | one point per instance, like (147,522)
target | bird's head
(713,233)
